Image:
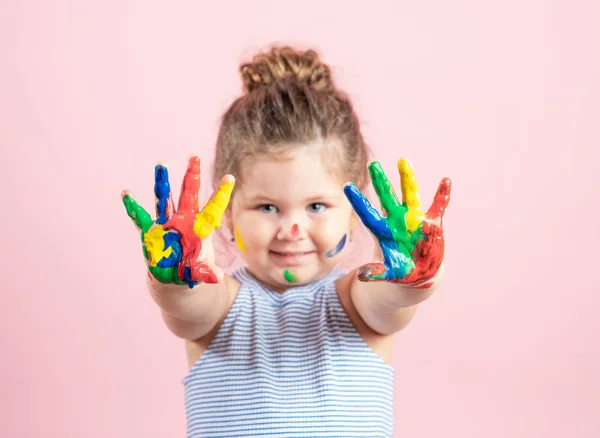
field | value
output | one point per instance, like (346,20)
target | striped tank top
(289,365)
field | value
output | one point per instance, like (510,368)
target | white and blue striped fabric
(289,365)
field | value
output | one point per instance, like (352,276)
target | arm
(192,313)
(192,292)
(409,250)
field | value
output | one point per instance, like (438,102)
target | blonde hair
(290,99)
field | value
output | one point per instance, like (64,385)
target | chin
(275,274)
(302,274)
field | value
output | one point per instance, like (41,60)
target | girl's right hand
(177,245)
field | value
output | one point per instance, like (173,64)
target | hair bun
(285,62)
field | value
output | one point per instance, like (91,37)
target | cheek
(255,232)
(328,233)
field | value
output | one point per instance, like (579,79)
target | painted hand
(411,242)
(172,244)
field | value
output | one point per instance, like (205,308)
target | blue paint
(187,277)
(367,213)
(396,263)
(395,260)
(338,248)
(162,191)
(172,239)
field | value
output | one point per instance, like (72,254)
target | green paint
(395,212)
(137,213)
(144,222)
(166,275)
(291,278)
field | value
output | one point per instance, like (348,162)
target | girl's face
(290,219)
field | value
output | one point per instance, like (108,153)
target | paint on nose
(295,230)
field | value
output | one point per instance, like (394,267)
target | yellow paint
(212,214)
(410,195)
(238,239)
(155,245)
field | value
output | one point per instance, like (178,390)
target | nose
(291,229)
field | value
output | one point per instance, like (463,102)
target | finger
(212,214)
(201,272)
(410,195)
(441,200)
(383,188)
(136,212)
(367,213)
(162,191)
(373,272)
(188,201)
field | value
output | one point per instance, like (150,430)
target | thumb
(207,252)
(206,258)
(218,273)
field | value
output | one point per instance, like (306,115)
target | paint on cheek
(238,239)
(295,230)
(291,278)
(338,248)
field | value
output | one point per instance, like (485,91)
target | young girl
(290,345)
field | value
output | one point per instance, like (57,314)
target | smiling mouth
(291,253)
(289,258)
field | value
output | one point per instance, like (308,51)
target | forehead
(300,175)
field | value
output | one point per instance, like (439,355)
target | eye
(267,208)
(316,207)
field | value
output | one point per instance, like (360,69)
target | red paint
(428,255)
(425,286)
(371,269)
(429,252)
(183,222)
(295,230)
(203,273)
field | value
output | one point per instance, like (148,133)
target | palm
(172,243)
(411,242)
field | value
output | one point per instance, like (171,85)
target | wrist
(408,295)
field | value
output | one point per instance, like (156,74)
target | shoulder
(380,344)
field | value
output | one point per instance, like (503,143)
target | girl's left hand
(411,242)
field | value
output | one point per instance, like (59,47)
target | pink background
(502,97)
